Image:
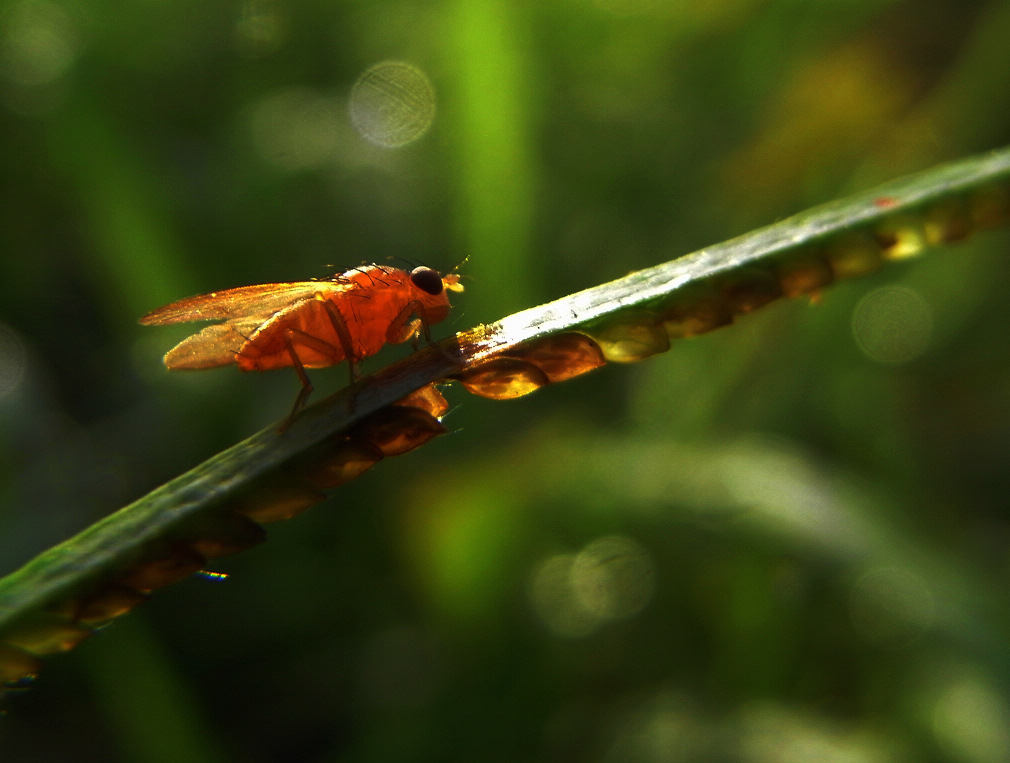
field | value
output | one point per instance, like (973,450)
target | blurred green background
(783,541)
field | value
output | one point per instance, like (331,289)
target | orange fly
(308,324)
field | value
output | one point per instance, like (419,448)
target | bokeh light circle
(613,577)
(893,325)
(392,104)
(550,593)
(38,43)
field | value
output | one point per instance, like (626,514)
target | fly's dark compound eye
(427,280)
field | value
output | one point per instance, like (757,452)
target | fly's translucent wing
(261,300)
(214,346)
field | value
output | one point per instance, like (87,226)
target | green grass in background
(810,519)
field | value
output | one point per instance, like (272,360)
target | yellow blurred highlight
(631,338)
(38,43)
(905,237)
(773,733)
(831,108)
(971,719)
(392,104)
(672,727)
(492,123)
(788,493)
(893,325)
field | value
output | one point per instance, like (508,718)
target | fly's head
(431,290)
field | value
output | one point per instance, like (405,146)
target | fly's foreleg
(401,329)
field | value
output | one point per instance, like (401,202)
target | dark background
(791,535)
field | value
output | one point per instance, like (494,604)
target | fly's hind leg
(306,390)
(291,338)
(340,326)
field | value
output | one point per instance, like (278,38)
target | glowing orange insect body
(308,324)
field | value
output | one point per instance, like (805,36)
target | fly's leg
(306,390)
(400,329)
(340,326)
(291,338)
(415,335)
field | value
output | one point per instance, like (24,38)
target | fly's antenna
(460,264)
